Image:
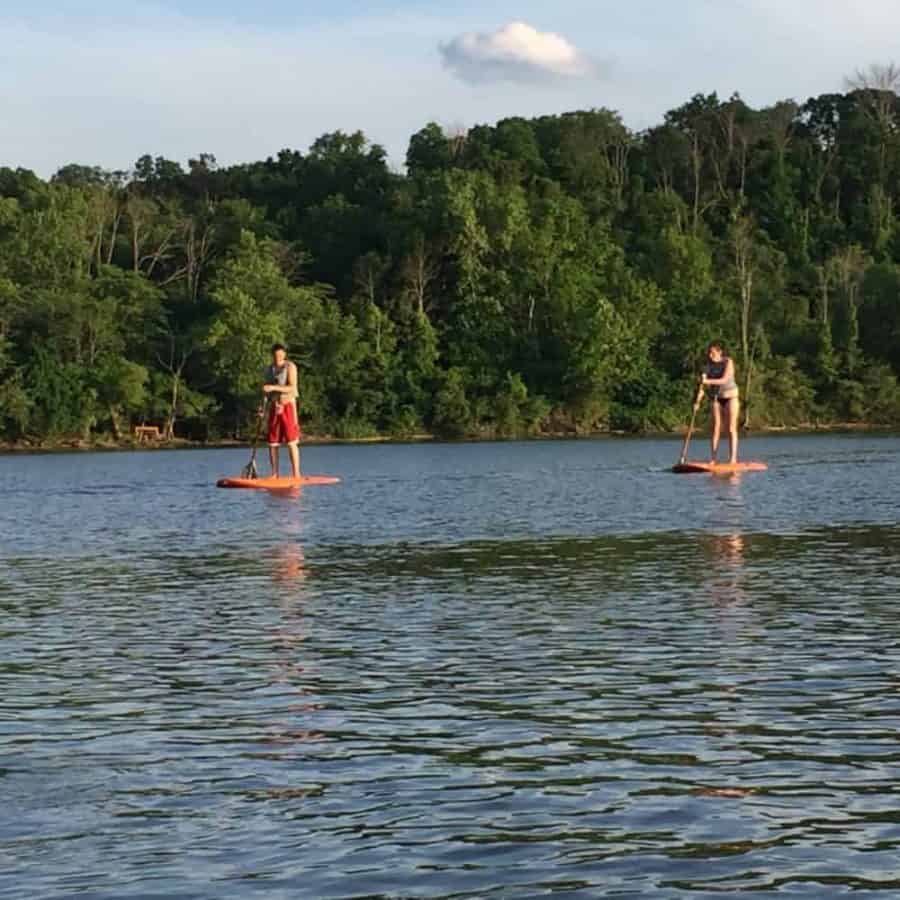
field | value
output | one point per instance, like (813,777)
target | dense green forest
(560,274)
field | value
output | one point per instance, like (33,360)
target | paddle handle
(687,438)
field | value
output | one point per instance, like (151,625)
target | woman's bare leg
(734,414)
(716,428)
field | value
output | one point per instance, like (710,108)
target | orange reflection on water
(727,567)
(293,671)
(290,564)
(728,549)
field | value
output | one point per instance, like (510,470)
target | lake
(468,670)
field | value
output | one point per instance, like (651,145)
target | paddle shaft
(251,466)
(687,438)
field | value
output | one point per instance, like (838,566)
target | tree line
(559,274)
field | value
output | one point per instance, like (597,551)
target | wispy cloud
(516,52)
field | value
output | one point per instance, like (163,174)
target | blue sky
(101,82)
(266,13)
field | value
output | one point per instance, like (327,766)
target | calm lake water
(490,670)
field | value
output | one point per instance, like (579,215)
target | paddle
(687,438)
(249,471)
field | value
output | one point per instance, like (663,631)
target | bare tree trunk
(98,248)
(135,253)
(198,251)
(849,268)
(746,301)
(175,370)
(420,272)
(824,287)
(745,268)
(745,424)
(170,419)
(157,255)
(805,243)
(697,163)
(620,152)
(744,157)
(113,235)
(726,119)
(116,427)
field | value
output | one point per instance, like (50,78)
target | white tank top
(280,376)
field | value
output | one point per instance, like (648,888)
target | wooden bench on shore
(150,432)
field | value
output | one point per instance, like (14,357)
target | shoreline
(102,445)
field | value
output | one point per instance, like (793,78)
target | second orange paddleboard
(275,484)
(687,468)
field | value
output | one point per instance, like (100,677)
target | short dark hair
(277,347)
(715,345)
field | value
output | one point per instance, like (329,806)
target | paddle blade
(249,471)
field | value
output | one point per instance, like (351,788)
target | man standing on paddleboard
(280,389)
(724,398)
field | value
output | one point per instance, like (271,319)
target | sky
(102,82)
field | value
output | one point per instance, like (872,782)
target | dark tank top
(717,370)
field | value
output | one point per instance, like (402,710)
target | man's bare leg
(273,460)
(294,450)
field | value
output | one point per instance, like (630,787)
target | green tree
(452,412)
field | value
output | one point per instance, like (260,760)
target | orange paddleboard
(275,484)
(687,468)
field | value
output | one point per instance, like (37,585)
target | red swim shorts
(283,425)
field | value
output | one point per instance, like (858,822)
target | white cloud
(516,52)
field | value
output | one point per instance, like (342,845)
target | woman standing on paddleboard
(719,379)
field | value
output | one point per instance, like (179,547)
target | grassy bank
(107,444)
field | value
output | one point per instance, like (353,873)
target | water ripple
(241,699)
